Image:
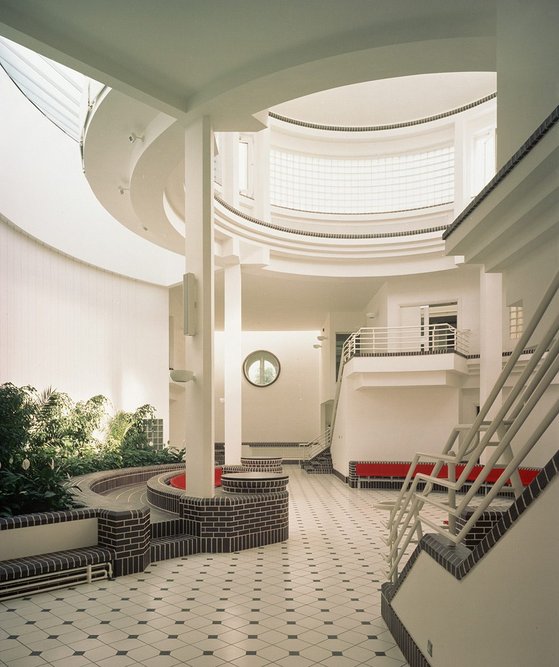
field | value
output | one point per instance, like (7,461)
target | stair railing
(316,446)
(406,520)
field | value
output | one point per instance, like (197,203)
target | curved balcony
(432,354)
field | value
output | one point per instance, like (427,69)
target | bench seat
(397,471)
(32,574)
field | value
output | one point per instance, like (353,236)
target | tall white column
(230,167)
(490,335)
(261,170)
(232,365)
(199,348)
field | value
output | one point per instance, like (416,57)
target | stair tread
(173,538)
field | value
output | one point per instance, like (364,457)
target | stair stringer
(496,605)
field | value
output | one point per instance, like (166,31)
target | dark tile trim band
(458,560)
(379,128)
(333,235)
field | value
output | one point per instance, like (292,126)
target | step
(174,546)
(170,528)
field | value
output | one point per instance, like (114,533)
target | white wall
(460,284)
(288,410)
(504,612)
(527,56)
(44,191)
(527,279)
(392,423)
(81,330)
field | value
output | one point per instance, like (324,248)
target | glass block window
(368,185)
(154,432)
(516,321)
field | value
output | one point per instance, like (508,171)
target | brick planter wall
(128,533)
(262,463)
(236,522)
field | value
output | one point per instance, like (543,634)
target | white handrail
(316,446)
(401,340)
(406,519)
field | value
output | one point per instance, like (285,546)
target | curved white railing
(493,435)
(401,340)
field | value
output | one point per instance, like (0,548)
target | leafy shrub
(46,438)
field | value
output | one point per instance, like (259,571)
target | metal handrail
(317,446)
(398,340)
(406,520)
(401,340)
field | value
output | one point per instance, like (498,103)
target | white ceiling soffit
(232,60)
(391,101)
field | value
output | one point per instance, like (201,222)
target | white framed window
(245,165)
(483,160)
(516,321)
(217,159)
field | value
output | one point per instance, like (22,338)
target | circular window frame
(261,355)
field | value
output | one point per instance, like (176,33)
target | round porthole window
(261,368)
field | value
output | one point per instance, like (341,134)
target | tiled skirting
(262,463)
(402,637)
(459,560)
(248,482)
(483,525)
(123,539)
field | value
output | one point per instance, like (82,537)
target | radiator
(52,580)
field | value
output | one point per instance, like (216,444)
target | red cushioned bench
(397,471)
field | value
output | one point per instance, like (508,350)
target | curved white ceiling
(389,101)
(232,60)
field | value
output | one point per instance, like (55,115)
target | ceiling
(390,101)
(283,302)
(233,60)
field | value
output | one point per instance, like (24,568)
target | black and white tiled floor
(313,600)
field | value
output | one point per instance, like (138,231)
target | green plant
(17,412)
(45,438)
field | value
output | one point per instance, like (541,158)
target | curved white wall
(44,192)
(79,329)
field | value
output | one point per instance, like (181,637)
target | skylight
(54,89)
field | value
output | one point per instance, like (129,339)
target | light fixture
(372,316)
(181,375)
(122,189)
(322,337)
(133,138)
(317,346)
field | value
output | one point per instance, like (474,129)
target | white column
(261,171)
(461,166)
(199,348)
(232,365)
(230,167)
(490,335)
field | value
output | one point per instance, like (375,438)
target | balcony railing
(388,341)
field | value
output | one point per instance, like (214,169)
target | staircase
(168,540)
(490,439)
(321,464)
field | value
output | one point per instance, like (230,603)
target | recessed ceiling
(389,101)
(283,302)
